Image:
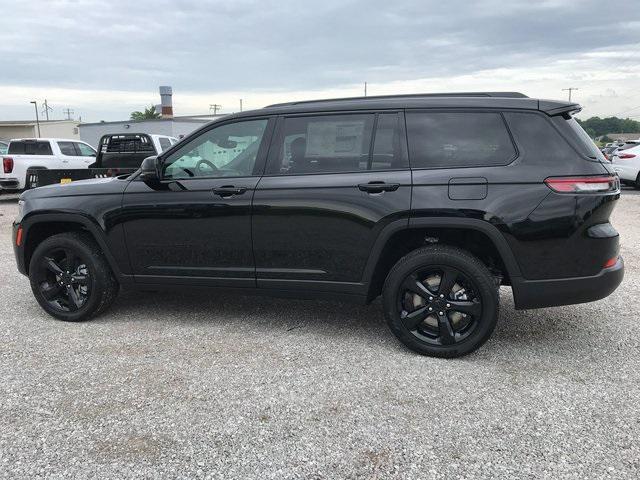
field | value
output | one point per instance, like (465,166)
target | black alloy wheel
(438,305)
(441,301)
(64,280)
(70,277)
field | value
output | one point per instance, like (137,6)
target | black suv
(432,201)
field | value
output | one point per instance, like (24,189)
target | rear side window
(67,148)
(164,143)
(458,139)
(30,148)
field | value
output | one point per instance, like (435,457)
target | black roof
(502,100)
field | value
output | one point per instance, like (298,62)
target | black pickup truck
(118,154)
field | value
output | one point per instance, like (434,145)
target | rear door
(332,183)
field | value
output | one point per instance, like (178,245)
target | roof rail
(411,95)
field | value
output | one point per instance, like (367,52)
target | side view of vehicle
(117,154)
(627,164)
(430,201)
(41,154)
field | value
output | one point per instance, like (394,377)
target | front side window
(323,144)
(226,151)
(458,139)
(84,150)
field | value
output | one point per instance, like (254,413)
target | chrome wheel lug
(448,305)
(441,295)
(430,309)
(440,313)
(431,299)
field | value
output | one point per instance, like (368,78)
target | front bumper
(567,291)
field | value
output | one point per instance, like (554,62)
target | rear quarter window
(458,139)
(30,148)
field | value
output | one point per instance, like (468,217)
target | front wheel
(441,301)
(70,277)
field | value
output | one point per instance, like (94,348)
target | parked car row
(32,162)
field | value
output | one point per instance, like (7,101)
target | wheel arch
(38,227)
(401,237)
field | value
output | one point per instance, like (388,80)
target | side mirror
(150,170)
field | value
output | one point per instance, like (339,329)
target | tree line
(597,127)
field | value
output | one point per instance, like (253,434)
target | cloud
(269,49)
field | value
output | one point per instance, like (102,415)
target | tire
(78,264)
(636,184)
(446,331)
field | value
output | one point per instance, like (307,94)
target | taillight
(611,262)
(7,164)
(623,156)
(583,184)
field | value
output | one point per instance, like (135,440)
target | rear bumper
(567,291)
(9,184)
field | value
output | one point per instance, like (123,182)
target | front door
(195,226)
(332,183)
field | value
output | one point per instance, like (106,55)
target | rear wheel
(70,277)
(441,301)
(636,184)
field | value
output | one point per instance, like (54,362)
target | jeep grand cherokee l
(432,201)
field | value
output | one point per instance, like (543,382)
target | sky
(105,59)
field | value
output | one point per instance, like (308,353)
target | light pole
(35,104)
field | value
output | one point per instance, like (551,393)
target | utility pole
(35,104)
(68,112)
(240,104)
(46,109)
(215,107)
(570,89)
(365,89)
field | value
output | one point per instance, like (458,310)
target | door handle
(378,187)
(229,190)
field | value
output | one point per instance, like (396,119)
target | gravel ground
(220,386)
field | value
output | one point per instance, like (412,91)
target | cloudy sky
(104,59)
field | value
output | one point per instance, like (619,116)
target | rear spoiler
(556,107)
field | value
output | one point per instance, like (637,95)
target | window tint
(67,148)
(389,150)
(226,151)
(85,150)
(4,148)
(322,144)
(164,143)
(458,139)
(30,148)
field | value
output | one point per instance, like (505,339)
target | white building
(48,128)
(174,127)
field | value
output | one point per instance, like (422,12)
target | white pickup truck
(41,153)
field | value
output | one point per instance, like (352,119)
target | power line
(68,112)
(570,89)
(215,107)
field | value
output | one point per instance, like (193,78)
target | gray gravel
(221,386)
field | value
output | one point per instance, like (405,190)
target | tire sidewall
(86,255)
(482,281)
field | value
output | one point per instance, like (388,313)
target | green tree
(148,114)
